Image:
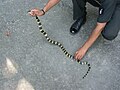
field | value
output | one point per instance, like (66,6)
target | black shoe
(77,25)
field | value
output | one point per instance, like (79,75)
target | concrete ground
(29,62)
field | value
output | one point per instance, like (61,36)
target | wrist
(43,11)
(85,48)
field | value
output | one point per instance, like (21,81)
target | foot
(77,25)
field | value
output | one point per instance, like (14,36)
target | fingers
(34,12)
(78,56)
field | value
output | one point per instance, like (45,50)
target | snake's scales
(61,46)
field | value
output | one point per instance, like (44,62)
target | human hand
(36,12)
(80,53)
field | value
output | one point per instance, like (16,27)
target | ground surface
(29,62)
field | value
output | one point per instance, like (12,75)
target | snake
(67,54)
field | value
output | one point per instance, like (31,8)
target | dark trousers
(112,28)
(79,7)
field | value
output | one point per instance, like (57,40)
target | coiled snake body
(61,46)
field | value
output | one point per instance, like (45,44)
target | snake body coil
(61,46)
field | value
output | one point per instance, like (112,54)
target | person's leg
(79,8)
(111,30)
(79,14)
(94,3)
